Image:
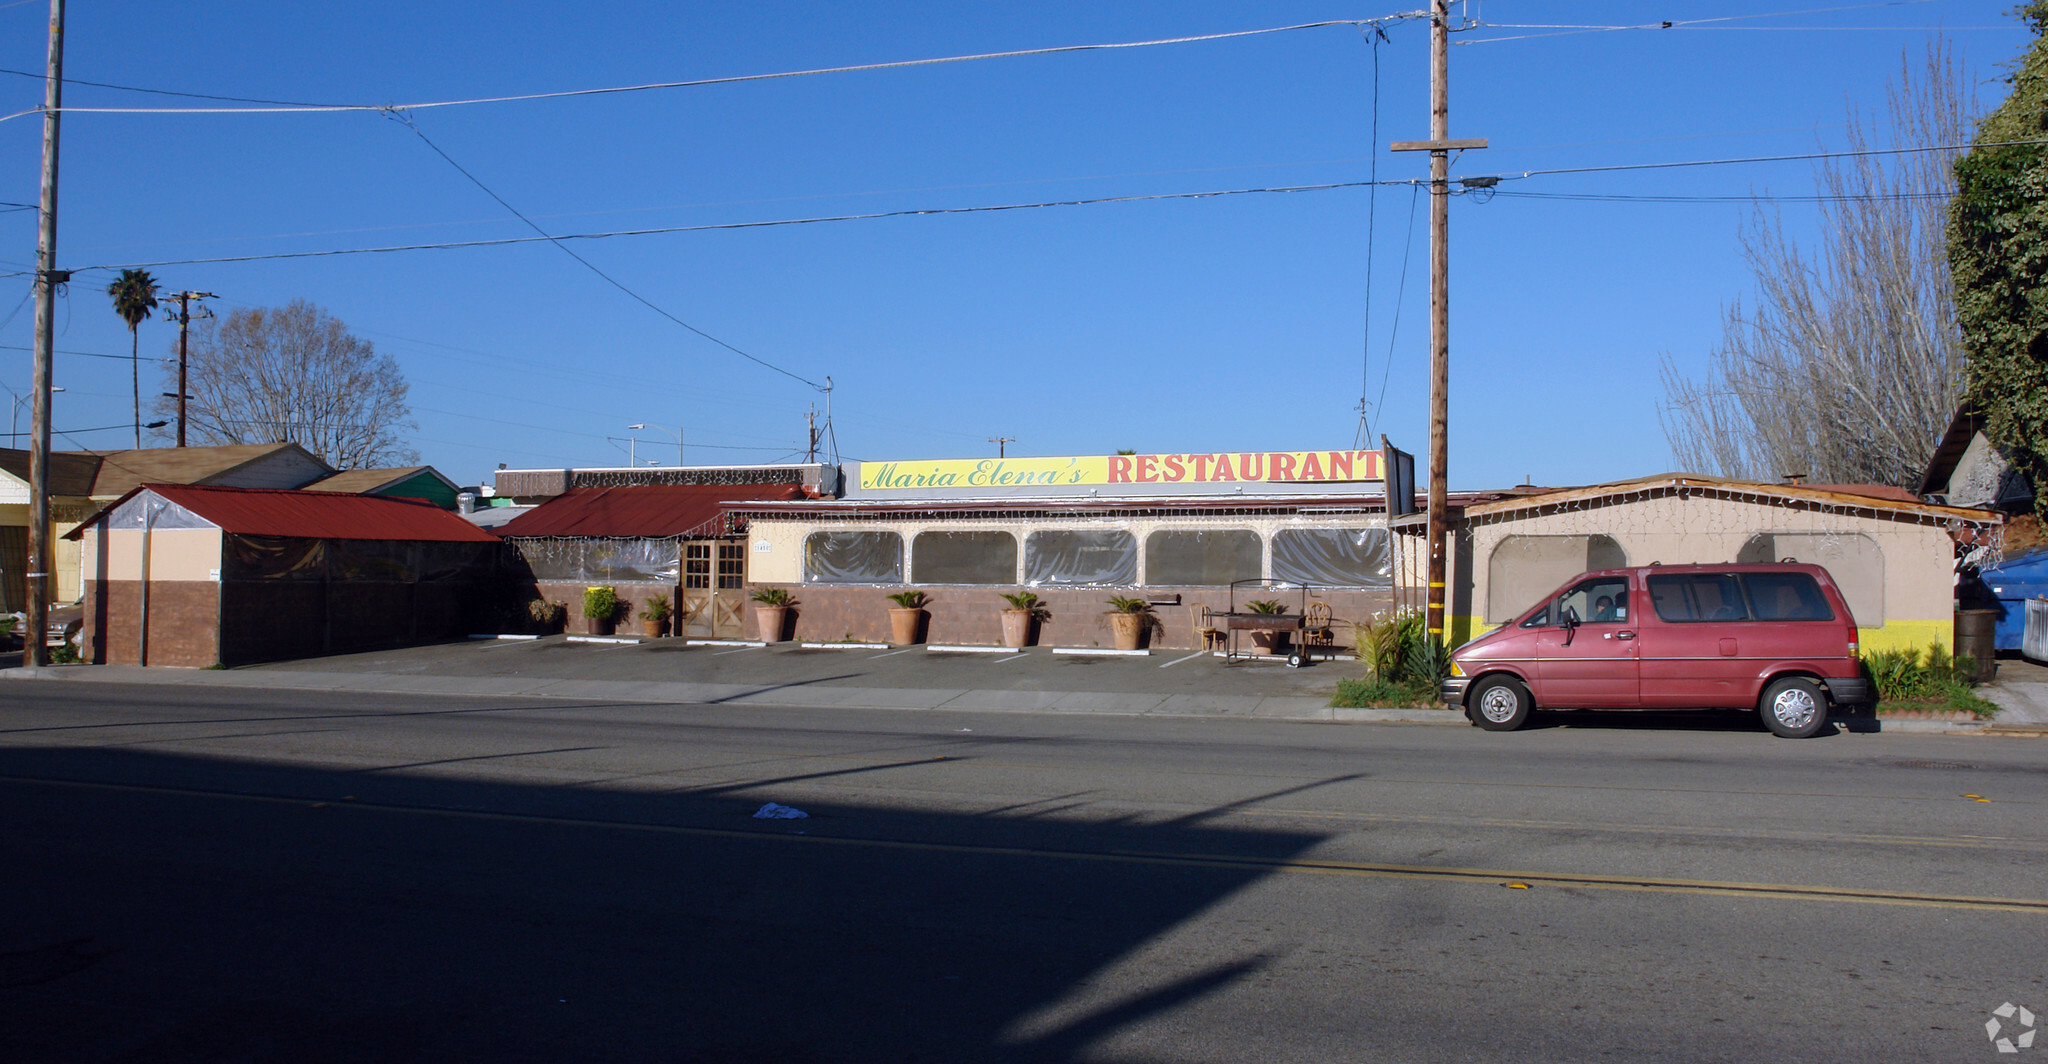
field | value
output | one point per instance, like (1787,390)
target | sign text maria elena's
(1258,467)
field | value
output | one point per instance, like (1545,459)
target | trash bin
(1976,637)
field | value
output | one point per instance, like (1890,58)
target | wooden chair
(1207,635)
(1317,630)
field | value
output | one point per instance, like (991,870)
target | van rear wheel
(1499,703)
(1795,708)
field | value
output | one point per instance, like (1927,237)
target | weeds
(1403,665)
(1939,682)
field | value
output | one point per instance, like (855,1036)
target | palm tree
(134,295)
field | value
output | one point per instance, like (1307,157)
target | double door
(713,604)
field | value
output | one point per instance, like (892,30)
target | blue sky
(1232,323)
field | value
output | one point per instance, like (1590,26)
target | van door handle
(1624,635)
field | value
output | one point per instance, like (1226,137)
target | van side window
(1603,600)
(1684,598)
(1786,597)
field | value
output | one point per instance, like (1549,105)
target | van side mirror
(1570,620)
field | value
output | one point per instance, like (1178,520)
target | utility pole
(811,434)
(37,609)
(1439,146)
(999,441)
(184,322)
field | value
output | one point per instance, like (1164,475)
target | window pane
(1854,560)
(1094,557)
(1209,558)
(1524,567)
(732,565)
(853,558)
(1333,557)
(963,558)
(1603,601)
(697,565)
(1684,598)
(1786,597)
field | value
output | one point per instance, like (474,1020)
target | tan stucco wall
(782,561)
(1918,586)
(174,554)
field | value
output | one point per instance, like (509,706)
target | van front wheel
(1499,703)
(1794,708)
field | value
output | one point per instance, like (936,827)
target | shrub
(657,608)
(1901,675)
(600,603)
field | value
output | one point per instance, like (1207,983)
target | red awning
(642,510)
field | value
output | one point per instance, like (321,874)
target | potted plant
(654,617)
(771,612)
(544,617)
(907,617)
(1025,610)
(1128,619)
(601,608)
(1268,640)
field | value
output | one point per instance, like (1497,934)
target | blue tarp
(2022,577)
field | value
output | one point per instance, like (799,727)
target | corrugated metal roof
(649,510)
(320,514)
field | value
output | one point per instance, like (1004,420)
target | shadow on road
(166,908)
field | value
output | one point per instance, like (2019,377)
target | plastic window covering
(602,560)
(273,558)
(1106,557)
(1333,557)
(1202,558)
(1854,560)
(1786,597)
(169,515)
(963,558)
(853,558)
(371,560)
(1523,569)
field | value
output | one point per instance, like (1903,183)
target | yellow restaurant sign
(1256,467)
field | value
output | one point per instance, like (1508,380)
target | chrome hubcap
(1794,708)
(1498,704)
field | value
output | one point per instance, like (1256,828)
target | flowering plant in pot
(654,617)
(600,608)
(771,612)
(907,617)
(1026,610)
(1128,619)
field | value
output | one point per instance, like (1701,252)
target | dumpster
(2007,588)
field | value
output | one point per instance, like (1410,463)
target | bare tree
(295,374)
(1848,365)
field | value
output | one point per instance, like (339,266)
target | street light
(14,419)
(678,434)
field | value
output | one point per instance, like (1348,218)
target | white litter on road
(775,811)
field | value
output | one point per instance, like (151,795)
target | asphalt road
(214,875)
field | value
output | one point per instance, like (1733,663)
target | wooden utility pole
(1439,146)
(1001,442)
(184,327)
(36,610)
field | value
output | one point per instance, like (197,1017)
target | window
(1202,558)
(1333,557)
(1854,560)
(696,565)
(1602,600)
(1786,597)
(1686,598)
(1086,557)
(732,566)
(853,558)
(963,558)
(1525,567)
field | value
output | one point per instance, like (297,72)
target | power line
(735,79)
(163,92)
(592,267)
(1568,29)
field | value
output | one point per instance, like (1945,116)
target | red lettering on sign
(1201,466)
(1251,467)
(1222,468)
(1340,465)
(1176,470)
(1311,468)
(1148,468)
(1120,470)
(1281,467)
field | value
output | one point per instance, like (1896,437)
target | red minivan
(1775,638)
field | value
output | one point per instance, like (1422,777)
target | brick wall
(183,623)
(570,594)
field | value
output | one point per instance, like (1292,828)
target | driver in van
(1603,610)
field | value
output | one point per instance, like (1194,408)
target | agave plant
(1027,601)
(1266,606)
(1128,604)
(910,600)
(774,596)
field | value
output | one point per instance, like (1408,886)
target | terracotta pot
(653,628)
(599,625)
(769,622)
(904,625)
(1129,629)
(1017,627)
(1269,642)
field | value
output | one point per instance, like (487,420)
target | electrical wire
(1400,294)
(738,78)
(407,121)
(1566,29)
(160,92)
(1372,202)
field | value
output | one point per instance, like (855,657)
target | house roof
(641,511)
(70,473)
(121,471)
(314,514)
(366,481)
(1875,498)
(1961,430)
